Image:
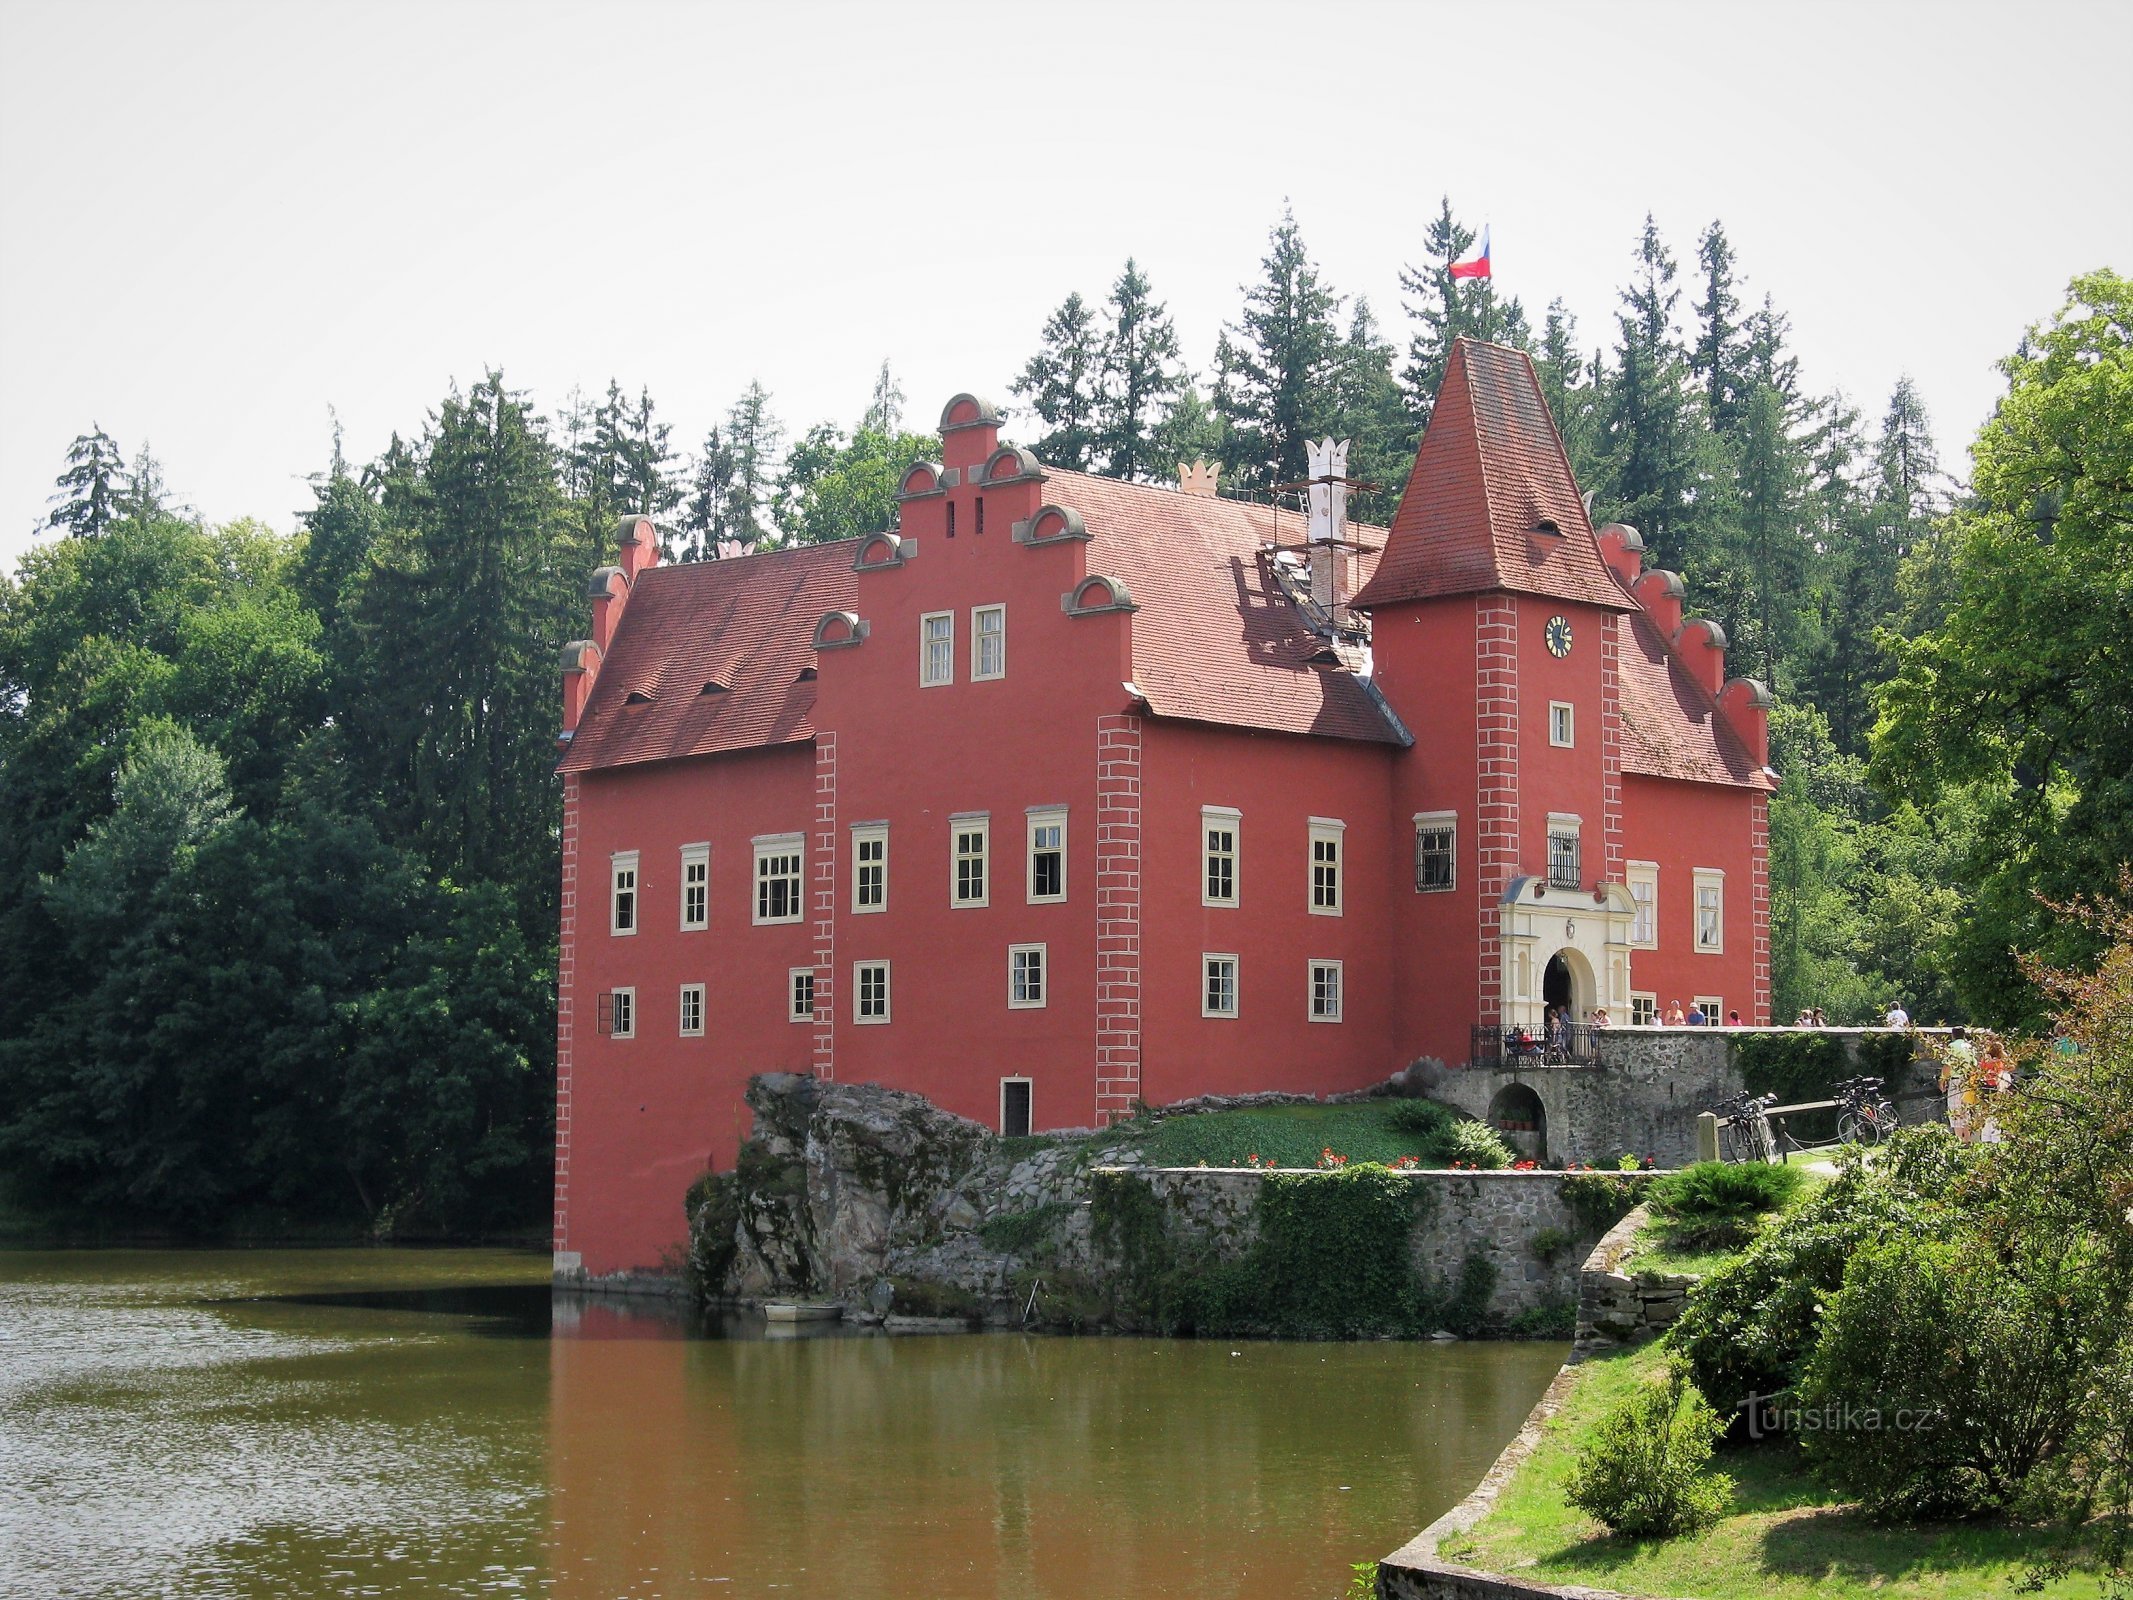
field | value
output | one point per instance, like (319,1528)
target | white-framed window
(1436,851)
(1565,866)
(1326,835)
(1025,977)
(1218,985)
(622,1014)
(800,994)
(1643,1008)
(695,887)
(622,892)
(1047,855)
(936,649)
(1713,1007)
(1219,827)
(777,877)
(1643,878)
(970,860)
(1015,1118)
(1325,991)
(870,866)
(692,1011)
(988,642)
(1562,724)
(870,991)
(1710,911)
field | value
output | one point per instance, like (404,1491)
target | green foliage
(1423,1117)
(838,488)
(1473,1144)
(1749,1326)
(1292,1136)
(1793,1066)
(1548,1243)
(1600,1200)
(1716,1204)
(1018,1232)
(1558,1319)
(1644,1471)
(713,1210)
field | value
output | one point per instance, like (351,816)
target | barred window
(1563,864)
(1436,837)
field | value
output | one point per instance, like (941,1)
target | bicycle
(1864,1114)
(1747,1133)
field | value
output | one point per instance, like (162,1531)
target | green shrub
(1558,1319)
(1599,1202)
(1717,1204)
(1423,1117)
(713,1209)
(1019,1232)
(1548,1243)
(1475,1143)
(1749,1325)
(1946,1376)
(1644,1471)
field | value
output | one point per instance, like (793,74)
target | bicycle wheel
(1854,1130)
(1733,1142)
(1885,1122)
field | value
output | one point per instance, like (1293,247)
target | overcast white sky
(219,219)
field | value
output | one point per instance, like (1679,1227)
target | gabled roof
(745,625)
(1490,472)
(1216,639)
(1671,727)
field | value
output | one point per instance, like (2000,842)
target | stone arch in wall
(1516,1112)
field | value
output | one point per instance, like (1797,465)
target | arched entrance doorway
(1517,1114)
(1567,986)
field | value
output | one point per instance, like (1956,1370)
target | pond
(388,1423)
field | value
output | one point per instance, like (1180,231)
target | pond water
(370,1422)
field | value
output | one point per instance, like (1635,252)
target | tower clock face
(1558,636)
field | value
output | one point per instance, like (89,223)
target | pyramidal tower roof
(1491,504)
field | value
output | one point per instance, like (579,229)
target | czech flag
(1479,266)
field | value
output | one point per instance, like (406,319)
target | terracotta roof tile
(747,625)
(1671,727)
(1491,468)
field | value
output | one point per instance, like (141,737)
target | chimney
(1660,592)
(1326,496)
(1745,704)
(1199,478)
(1702,644)
(581,663)
(1622,548)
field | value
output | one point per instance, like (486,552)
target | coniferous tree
(87,502)
(1651,437)
(1060,382)
(645,482)
(704,514)
(1572,389)
(1139,378)
(1192,432)
(1720,356)
(1445,307)
(1283,352)
(754,436)
(144,492)
(1370,412)
(885,406)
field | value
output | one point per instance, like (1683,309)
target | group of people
(1974,1068)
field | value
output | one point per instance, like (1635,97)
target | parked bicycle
(1864,1114)
(1747,1133)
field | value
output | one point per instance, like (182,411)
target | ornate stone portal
(1564,947)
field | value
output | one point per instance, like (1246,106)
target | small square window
(1643,1008)
(1436,841)
(695,887)
(971,845)
(1562,723)
(800,994)
(1025,977)
(777,878)
(622,903)
(692,1010)
(622,1014)
(1218,988)
(870,991)
(870,867)
(936,649)
(988,641)
(1713,1008)
(1218,840)
(1047,856)
(1326,866)
(1325,991)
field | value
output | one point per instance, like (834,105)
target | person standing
(1958,1080)
(1897,1017)
(1674,1018)
(1697,1019)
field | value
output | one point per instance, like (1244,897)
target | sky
(225,225)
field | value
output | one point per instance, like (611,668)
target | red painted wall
(1683,826)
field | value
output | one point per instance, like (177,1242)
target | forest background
(278,907)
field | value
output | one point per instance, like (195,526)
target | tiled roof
(746,625)
(1670,727)
(1491,469)
(1216,639)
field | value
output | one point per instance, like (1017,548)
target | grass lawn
(1290,1135)
(1780,1541)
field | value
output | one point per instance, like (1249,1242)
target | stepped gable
(746,625)
(1490,473)
(1671,726)
(1215,638)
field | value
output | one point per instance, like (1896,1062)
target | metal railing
(1497,1046)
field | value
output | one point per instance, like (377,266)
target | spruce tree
(1572,389)
(1284,353)
(1139,378)
(1192,432)
(1060,382)
(1720,357)
(1370,412)
(1651,437)
(1444,308)
(87,502)
(143,495)
(885,406)
(754,436)
(703,518)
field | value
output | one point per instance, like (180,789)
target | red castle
(1069,794)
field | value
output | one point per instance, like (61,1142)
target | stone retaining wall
(1617,1307)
